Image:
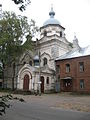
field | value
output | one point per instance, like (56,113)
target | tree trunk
(2,75)
(3,78)
(13,76)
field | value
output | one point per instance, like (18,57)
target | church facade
(36,70)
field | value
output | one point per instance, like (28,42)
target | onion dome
(36,57)
(51,20)
(36,60)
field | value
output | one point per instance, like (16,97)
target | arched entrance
(42,84)
(26,82)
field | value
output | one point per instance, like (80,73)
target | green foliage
(14,30)
(71,45)
(22,4)
(1,69)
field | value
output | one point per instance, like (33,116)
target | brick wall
(75,72)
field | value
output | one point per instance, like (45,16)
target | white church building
(39,71)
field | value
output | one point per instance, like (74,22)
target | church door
(26,83)
(42,84)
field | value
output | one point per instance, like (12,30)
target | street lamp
(39,82)
(39,87)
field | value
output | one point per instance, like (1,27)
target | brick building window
(81,84)
(81,66)
(67,68)
(47,80)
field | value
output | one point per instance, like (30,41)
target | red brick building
(73,71)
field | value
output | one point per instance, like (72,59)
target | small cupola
(75,43)
(36,60)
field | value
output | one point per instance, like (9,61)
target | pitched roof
(76,53)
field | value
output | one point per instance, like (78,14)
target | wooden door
(26,83)
(67,85)
(42,84)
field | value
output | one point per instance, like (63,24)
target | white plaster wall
(51,81)
(25,70)
(36,80)
(52,30)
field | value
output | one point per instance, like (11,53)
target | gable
(26,57)
(45,55)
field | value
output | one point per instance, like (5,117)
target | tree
(0,71)
(14,31)
(22,3)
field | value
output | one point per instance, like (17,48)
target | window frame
(82,84)
(30,63)
(45,61)
(67,68)
(60,33)
(81,66)
(47,80)
(24,62)
(45,33)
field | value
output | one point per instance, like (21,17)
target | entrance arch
(26,82)
(42,84)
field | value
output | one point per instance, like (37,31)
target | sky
(74,15)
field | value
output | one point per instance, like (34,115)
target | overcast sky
(74,15)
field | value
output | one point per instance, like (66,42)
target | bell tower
(53,42)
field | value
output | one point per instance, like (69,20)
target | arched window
(47,80)
(24,62)
(44,61)
(45,33)
(60,33)
(30,63)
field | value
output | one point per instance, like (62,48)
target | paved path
(73,102)
(48,107)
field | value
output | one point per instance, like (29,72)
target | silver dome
(51,20)
(36,57)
